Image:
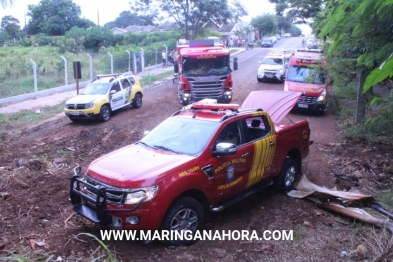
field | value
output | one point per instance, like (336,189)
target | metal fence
(44,71)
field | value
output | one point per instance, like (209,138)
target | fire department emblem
(230,174)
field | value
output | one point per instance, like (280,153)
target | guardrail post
(65,70)
(91,67)
(111,62)
(156,53)
(134,64)
(166,54)
(142,59)
(35,76)
(129,60)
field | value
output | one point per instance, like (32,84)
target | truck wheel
(105,113)
(186,215)
(260,79)
(286,179)
(137,102)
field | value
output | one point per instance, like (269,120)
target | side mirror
(225,149)
(112,92)
(235,63)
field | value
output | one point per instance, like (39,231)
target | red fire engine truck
(204,71)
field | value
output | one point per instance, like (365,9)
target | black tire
(186,213)
(260,79)
(137,102)
(105,113)
(289,173)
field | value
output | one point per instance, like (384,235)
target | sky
(108,11)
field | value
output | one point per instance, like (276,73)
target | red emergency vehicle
(204,158)
(306,74)
(204,71)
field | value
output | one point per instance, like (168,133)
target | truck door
(262,146)
(230,172)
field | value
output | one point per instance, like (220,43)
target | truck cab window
(230,134)
(116,86)
(258,127)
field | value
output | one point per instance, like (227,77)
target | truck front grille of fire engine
(90,189)
(213,89)
(307,99)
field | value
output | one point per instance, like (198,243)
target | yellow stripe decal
(263,158)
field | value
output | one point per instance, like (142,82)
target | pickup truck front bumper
(97,208)
(311,104)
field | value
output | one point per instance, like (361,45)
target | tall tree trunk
(361,98)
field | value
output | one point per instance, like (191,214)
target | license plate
(74,113)
(302,105)
(269,75)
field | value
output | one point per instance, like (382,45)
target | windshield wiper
(165,148)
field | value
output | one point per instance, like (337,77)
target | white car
(273,67)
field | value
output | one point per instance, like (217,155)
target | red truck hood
(276,103)
(135,164)
(308,89)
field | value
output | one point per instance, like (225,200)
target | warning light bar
(201,105)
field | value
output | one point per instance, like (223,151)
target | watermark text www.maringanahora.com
(244,235)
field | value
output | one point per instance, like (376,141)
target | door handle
(245,155)
(272,143)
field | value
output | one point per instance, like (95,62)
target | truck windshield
(306,74)
(206,67)
(95,89)
(180,135)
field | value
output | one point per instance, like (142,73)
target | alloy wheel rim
(184,219)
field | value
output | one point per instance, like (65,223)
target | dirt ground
(37,221)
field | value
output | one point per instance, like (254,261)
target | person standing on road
(163,54)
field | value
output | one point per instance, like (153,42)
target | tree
(299,11)
(284,25)
(140,13)
(361,39)
(265,24)
(6,3)
(193,15)
(11,25)
(295,31)
(54,17)
(237,10)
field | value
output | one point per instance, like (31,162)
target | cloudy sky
(110,10)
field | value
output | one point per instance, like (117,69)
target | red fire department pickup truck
(204,158)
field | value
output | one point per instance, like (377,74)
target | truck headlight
(142,194)
(261,71)
(281,71)
(89,105)
(322,96)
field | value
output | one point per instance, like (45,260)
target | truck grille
(307,99)
(114,198)
(207,89)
